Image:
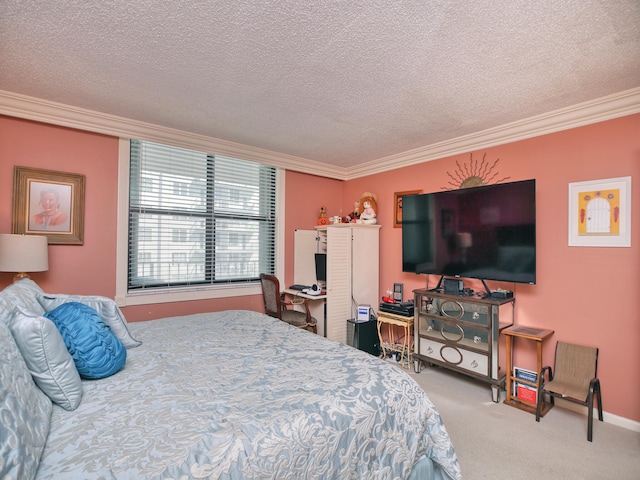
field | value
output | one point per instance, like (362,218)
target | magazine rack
(523,402)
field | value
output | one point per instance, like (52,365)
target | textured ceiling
(338,82)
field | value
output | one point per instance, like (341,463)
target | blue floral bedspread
(238,395)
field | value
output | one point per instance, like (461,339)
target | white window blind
(196,218)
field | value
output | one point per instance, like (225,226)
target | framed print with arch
(49,203)
(600,213)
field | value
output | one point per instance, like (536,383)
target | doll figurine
(368,209)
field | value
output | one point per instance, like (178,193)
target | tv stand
(462,333)
(486,289)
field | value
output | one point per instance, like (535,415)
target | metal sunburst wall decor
(473,174)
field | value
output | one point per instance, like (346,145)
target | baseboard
(611,418)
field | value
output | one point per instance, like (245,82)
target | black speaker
(452,287)
(363,336)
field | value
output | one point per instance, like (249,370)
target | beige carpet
(496,441)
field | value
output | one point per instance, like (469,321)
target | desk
(317,307)
(537,335)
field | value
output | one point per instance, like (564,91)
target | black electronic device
(299,287)
(398,292)
(399,308)
(363,336)
(486,232)
(501,294)
(452,286)
(321,267)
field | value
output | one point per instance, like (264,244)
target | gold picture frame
(397,206)
(49,203)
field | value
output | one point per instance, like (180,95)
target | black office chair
(276,305)
(575,380)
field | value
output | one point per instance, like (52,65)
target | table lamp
(465,241)
(23,253)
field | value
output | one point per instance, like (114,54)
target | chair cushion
(296,318)
(96,351)
(48,359)
(25,413)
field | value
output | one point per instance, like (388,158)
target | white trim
(280,220)
(606,108)
(612,106)
(122,223)
(610,418)
(22,106)
(189,293)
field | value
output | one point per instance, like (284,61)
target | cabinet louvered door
(366,266)
(339,271)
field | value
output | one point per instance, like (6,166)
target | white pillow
(47,358)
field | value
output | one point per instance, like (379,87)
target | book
(523,374)
(525,392)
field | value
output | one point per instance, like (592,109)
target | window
(198,219)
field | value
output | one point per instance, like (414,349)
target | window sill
(165,295)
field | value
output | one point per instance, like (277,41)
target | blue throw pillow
(96,351)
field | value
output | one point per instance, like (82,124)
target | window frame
(194,292)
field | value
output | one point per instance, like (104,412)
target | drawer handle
(429,350)
(452,338)
(474,364)
(475,315)
(452,309)
(477,339)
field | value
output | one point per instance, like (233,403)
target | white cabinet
(353,271)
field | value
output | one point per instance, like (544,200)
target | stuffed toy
(368,208)
(322,216)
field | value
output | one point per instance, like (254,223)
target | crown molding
(39,110)
(605,108)
(598,110)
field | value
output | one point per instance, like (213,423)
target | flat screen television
(486,232)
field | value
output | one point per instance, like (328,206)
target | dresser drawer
(455,356)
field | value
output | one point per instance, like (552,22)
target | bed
(227,395)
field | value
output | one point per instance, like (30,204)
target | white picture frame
(600,213)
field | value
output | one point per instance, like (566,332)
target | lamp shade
(23,253)
(464,240)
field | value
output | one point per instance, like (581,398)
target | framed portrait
(49,203)
(600,213)
(397,209)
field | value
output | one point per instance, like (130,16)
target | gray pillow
(25,413)
(21,294)
(48,359)
(106,308)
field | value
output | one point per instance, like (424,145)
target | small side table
(401,345)
(537,335)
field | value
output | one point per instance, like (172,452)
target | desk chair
(575,380)
(275,305)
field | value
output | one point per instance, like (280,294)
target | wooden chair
(275,305)
(575,380)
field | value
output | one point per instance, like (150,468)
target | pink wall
(90,268)
(587,295)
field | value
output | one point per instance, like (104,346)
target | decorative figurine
(322,216)
(368,208)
